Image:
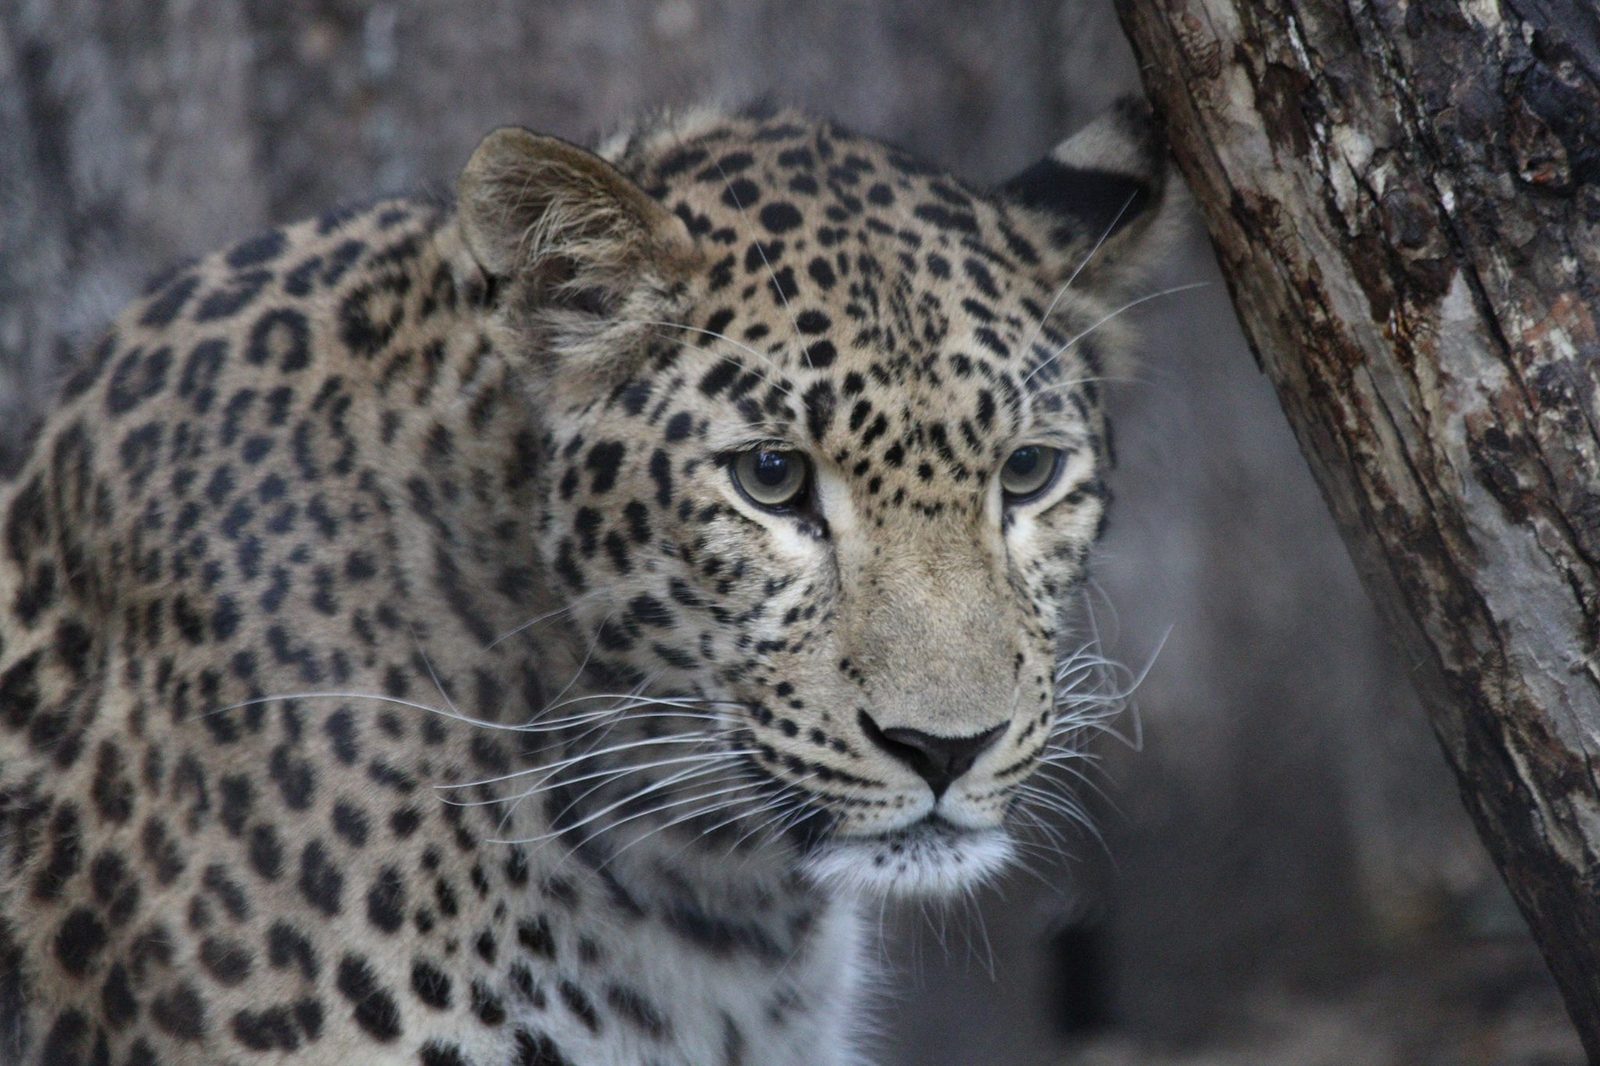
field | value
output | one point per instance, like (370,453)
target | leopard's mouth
(930,857)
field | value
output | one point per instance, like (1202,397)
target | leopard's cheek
(667,581)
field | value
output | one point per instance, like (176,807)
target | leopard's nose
(937,760)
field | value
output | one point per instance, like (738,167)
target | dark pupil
(1023,461)
(772,468)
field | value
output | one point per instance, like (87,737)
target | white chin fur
(922,861)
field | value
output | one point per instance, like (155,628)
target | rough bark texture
(1405,199)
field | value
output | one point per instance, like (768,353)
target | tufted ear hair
(561,225)
(1099,193)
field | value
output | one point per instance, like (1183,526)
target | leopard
(531,623)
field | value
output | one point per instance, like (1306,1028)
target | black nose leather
(938,760)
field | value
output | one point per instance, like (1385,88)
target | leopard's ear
(562,225)
(1097,197)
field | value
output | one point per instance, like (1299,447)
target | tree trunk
(1405,199)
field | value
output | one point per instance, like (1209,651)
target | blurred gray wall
(1288,822)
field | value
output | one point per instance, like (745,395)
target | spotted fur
(390,670)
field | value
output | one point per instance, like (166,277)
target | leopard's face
(840,493)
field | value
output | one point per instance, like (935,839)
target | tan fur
(393,670)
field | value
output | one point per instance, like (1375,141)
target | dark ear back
(1106,184)
(540,211)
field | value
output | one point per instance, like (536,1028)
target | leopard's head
(824,455)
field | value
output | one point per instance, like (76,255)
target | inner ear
(555,280)
(551,217)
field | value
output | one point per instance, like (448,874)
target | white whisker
(558,766)
(530,623)
(1130,305)
(698,812)
(1104,234)
(593,816)
(546,785)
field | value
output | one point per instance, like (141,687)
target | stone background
(1293,881)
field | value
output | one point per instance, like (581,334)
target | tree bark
(1405,200)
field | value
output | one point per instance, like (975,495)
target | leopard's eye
(1028,472)
(773,478)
